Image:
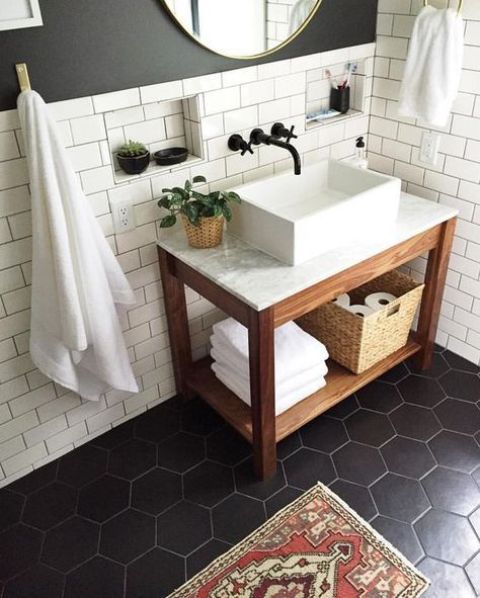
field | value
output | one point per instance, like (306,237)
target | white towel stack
(300,366)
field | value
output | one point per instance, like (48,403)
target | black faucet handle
(291,135)
(237,142)
(280,130)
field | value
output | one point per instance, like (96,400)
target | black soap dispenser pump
(360,160)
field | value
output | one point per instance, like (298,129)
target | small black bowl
(134,164)
(170,156)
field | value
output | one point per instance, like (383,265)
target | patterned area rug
(315,547)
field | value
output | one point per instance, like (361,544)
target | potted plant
(133,157)
(203,215)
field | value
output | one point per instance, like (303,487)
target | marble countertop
(261,280)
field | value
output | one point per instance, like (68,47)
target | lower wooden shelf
(341,383)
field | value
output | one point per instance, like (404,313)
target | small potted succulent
(133,157)
(203,215)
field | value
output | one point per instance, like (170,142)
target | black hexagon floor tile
(154,575)
(396,374)
(103,498)
(359,463)
(97,578)
(448,581)
(379,396)
(425,392)
(82,466)
(199,418)
(49,505)
(249,514)
(131,459)
(11,505)
(280,500)
(183,528)
(439,366)
(71,543)
(247,483)
(401,535)
(456,451)
(288,445)
(459,416)
(202,557)
(181,452)
(369,428)
(208,483)
(345,408)
(324,434)
(441,486)
(461,385)
(156,491)
(460,363)
(37,479)
(45,581)
(20,548)
(227,446)
(415,422)
(357,497)
(447,537)
(306,467)
(157,424)
(399,498)
(407,457)
(127,536)
(115,437)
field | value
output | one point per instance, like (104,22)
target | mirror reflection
(242,28)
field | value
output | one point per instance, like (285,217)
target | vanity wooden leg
(262,388)
(432,295)
(177,319)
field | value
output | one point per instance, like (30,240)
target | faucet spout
(257,136)
(297,163)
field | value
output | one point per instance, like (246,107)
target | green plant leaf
(188,185)
(168,221)
(165,202)
(199,179)
(227,212)
(232,196)
(192,213)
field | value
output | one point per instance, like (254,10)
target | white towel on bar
(75,337)
(434,64)
(295,349)
(282,402)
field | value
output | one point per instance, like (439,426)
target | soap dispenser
(360,160)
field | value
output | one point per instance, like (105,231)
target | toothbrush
(332,80)
(352,71)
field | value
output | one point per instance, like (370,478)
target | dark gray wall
(93,46)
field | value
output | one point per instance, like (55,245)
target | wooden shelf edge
(341,383)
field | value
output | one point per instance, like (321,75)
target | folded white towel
(295,349)
(285,387)
(76,338)
(282,403)
(433,69)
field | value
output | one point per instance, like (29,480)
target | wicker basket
(208,233)
(358,342)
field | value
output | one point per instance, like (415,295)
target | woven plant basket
(208,233)
(358,342)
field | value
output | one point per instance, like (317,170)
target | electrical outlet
(123,217)
(429,148)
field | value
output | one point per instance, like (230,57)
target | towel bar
(23,78)
(460,5)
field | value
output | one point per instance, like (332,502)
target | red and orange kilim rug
(315,547)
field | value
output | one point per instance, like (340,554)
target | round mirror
(242,28)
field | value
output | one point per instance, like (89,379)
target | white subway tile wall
(39,420)
(394,144)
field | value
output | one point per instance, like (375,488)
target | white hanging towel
(434,64)
(75,337)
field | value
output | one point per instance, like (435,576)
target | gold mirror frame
(251,56)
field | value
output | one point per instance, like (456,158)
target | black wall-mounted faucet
(258,136)
(237,143)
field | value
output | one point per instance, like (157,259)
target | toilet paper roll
(360,310)
(342,300)
(377,301)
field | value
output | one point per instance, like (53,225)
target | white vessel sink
(296,218)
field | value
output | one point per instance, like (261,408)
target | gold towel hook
(460,5)
(23,78)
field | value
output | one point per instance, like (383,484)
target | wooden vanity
(263,294)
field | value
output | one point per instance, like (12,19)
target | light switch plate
(429,147)
(123,217)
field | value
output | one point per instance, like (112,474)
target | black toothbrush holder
(340,99)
